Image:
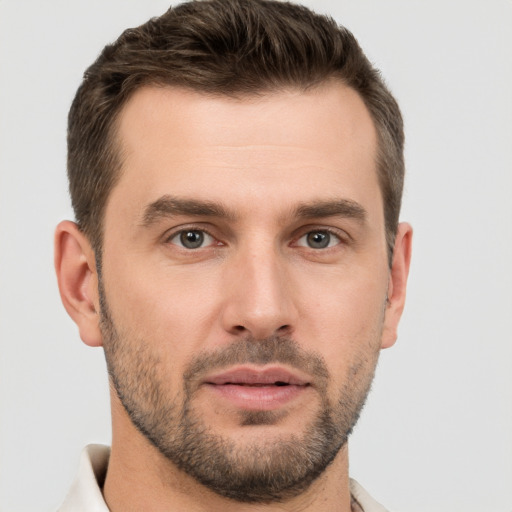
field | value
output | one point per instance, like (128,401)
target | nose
(259,295)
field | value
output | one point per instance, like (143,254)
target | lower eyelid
(336,236)
(208,238)
(211,240)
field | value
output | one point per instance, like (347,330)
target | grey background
(437,432)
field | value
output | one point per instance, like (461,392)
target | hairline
(114,144)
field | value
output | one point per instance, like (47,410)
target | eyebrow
(335,208)
(169,206)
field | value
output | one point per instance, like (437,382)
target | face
(244,281)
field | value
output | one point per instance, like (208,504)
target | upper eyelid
(298,233)
(341,239)
(168,240)
(172,232)
(342,234)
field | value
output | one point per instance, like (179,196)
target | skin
(261,159)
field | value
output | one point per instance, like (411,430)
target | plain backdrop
(436,435)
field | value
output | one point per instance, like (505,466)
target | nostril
(284,330)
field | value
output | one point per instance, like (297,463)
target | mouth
(252,388)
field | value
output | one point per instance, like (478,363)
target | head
(236,172)
(232,48)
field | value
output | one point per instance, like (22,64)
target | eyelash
(342,239)
(174,234)
(330,232)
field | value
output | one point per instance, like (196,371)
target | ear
(75,266)
(397,283)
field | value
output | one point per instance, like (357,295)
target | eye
(192,239)
(320,239)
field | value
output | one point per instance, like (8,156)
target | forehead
(331,113)
(180,142)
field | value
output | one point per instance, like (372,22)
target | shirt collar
(86,491)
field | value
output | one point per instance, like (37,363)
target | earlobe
(78,281)
(397,284)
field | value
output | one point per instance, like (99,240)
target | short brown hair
(227,47)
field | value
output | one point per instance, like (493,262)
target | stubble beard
(262,470)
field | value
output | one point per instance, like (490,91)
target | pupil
(318,240)
(192,239)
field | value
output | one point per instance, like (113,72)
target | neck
(139,477)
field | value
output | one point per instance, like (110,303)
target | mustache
(249,350)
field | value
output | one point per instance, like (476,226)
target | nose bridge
(260,302)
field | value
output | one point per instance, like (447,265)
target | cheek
(349,333)
(172,310)
(343,319)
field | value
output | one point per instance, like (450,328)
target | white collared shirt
(85,493)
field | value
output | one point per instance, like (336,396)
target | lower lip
(257,398)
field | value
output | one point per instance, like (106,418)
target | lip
(247,375)
(254,388)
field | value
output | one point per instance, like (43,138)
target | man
(236,170)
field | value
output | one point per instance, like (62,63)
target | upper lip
(257,376)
